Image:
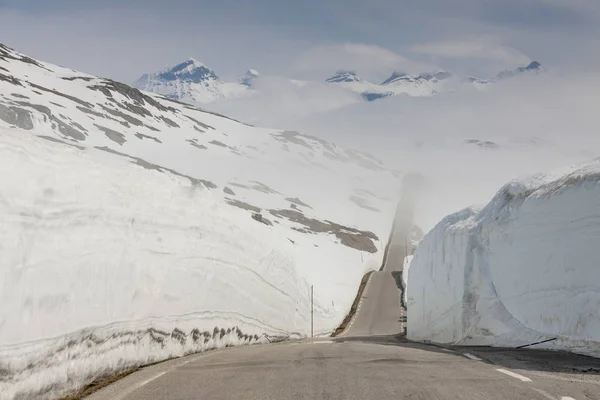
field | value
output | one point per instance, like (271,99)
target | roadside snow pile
(521,270)
(112,266)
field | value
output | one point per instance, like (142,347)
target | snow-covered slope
(135,228)
(193,82)
(521,270)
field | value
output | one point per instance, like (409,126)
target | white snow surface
(129,231)
(521,270)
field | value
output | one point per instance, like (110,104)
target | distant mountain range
(193,82)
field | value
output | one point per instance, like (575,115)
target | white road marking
(135,387)
(322,341)
(546,395)
(357,308)
(471,356)
(514,375)
(567,398)
(151,379)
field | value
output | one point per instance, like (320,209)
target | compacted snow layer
(521,270)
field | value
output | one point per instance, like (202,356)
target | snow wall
(106,266)
(523,269)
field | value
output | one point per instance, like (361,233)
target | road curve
(354,368)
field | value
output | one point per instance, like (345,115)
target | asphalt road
(361,368)
(369,361)
(379,310)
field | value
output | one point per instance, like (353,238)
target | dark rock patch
(20,96)
(16,116)
(292,137)
(74,78)
(297,201)
(135,109)
(38,107)
(148,165)
(194,142)
(119,114)
(115,136)
(91,112)
(350,237)
(11,79)
(228,191)
(68,130)
(261,187)
(66,96)
(57,105)
(217,143)
(201,124)
(170,122)
(244,206)
(109,86)
(258,217)
(57,123)
(56,140)
(141,136)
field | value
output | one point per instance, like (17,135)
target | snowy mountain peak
(533,67)
(344,76)
(190,70)
(249,77)
(193,82)
(430,77)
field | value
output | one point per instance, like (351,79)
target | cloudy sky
(309,38)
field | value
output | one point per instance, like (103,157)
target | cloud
(365,59)
(278,102)
(539,123)
(473,48)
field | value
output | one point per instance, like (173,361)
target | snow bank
(521,270)
(107,266)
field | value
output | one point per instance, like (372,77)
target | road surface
(369,361)
(361,368)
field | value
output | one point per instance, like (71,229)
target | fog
(535,124)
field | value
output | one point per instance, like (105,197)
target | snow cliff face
(193,82)
(136,228)
(521,270)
